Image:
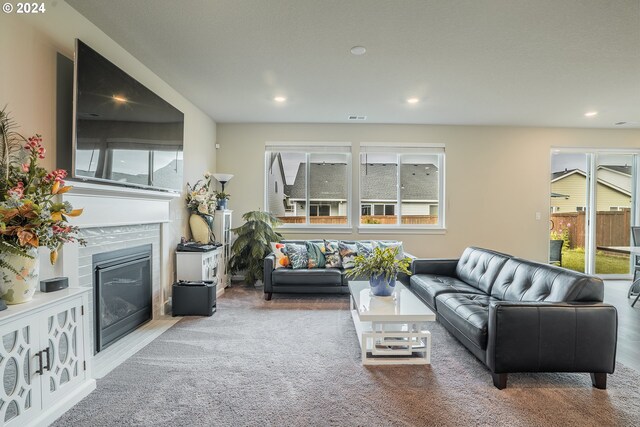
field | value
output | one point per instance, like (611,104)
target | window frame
(309,149)
(400,149)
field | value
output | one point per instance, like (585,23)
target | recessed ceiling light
(358,50)
(591,113)
(280,99)
(413,100)
(120,98)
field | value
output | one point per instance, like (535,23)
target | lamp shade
(222,178)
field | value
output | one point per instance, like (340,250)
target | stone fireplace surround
(116,218)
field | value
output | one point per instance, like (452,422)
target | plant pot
(222,204)
(201,227)
(381,287)
(19,288)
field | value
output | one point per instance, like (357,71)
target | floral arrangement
(200,199)
(30,213)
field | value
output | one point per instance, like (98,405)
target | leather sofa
(309,281)
(517,315)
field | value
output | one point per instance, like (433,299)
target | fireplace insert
(122,289)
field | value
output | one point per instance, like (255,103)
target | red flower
(25,167)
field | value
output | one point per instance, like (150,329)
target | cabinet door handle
(48,367)
(40,370)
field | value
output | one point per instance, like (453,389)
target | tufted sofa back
(480,267)
(523,280)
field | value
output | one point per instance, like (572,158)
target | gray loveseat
(308,281)
(517,315)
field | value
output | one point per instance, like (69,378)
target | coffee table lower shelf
(393,343)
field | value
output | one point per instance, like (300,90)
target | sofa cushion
(282,260)
(429,286)
(316,276)
(383,244)
(315,253)
(480,267)
(332,254)
(365,248)
(297,254)
(523,280)
(468,313)
(348,252)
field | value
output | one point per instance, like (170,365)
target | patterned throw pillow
(332,254)
(297,255)
(282,260)
(365,248)
(383,245)
(315,252)
(348,252)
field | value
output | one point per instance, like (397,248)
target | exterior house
(276,186)
(378,186)
(613,191)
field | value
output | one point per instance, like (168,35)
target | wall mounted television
(123,133)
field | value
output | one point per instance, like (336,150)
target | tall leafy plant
(252,244)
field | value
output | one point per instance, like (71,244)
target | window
(315,182)
(402,185)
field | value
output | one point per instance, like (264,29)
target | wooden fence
(369,219)
(612,227)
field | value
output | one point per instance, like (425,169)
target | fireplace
(122,290)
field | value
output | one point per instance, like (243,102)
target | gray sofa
(517,315)
(308,281)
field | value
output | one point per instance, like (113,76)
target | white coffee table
(391,330)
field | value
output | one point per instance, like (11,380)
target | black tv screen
(124,133)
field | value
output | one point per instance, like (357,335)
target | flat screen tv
(123,133)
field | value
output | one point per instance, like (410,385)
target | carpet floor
(295,361)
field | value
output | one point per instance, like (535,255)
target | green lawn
(573,259)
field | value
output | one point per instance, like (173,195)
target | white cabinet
(198,266)
(222,226)
(43,357)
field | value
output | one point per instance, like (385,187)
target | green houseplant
(252,244)
(221,199)
(382,268)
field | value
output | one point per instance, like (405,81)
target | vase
(222,204)
(381,286)
(201,227)
(19,288)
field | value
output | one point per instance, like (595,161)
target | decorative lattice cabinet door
(64,358)
(20,392)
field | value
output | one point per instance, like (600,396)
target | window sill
(400,230)
(310,229)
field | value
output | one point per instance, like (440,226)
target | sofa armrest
(551,337)
(269,266)
(441,266)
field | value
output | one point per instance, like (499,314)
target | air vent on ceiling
(626,123)
(357,118)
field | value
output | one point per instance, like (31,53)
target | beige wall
(29,44)
(497,178)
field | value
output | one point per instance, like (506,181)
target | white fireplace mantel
(107,205)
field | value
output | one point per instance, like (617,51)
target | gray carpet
(295,361)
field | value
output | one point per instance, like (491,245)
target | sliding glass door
(593,206)
(614,206)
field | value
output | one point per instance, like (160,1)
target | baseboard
(64,405)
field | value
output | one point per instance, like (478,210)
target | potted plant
(31,214)
(221,199)
(382,268)
(252,244)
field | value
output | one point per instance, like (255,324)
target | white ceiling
(484,62)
